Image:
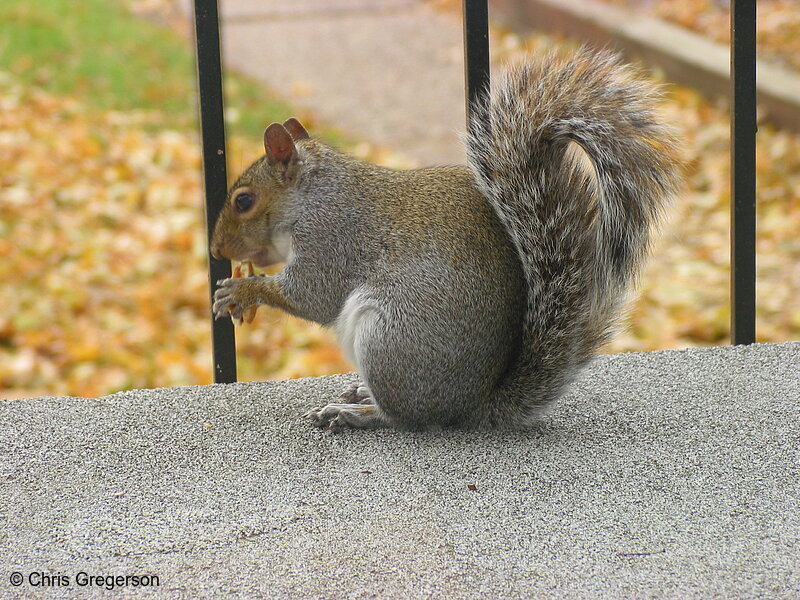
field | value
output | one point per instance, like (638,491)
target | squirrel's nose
(215,251)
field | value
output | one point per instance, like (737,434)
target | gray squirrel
(465,296)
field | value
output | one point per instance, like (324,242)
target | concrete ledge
(685,57)
(661,475)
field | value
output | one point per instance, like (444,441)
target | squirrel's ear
(278,144)
(296,129)
(281,151)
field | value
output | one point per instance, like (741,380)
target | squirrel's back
(577,165)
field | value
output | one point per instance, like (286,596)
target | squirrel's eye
(244,202)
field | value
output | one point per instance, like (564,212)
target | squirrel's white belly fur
(357,321)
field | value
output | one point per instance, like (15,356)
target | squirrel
(466,296)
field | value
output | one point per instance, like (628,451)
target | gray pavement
(667,474)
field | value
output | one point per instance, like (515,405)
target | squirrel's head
(245,228)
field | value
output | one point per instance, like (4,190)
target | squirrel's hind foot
(336,416)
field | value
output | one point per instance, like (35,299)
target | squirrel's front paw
(235,297)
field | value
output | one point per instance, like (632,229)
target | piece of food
(244,269)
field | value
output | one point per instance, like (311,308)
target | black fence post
(743,171)
(212,124)
(476,52)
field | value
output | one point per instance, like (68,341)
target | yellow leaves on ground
(684,294)
(102,248)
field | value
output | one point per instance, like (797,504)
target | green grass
(91,49)
(97,52)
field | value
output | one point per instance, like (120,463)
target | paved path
(387,71)
(660,475)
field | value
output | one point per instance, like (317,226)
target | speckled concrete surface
(660,475)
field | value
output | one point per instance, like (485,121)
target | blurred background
(102,236)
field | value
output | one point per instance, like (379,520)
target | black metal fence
(476,53)
(212,124)
(743,171)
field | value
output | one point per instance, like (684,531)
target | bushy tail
(577,166)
